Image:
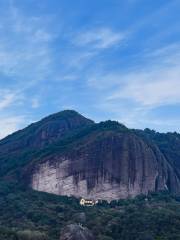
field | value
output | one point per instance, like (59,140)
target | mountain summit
(68,154)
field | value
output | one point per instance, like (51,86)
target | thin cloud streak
(102,38)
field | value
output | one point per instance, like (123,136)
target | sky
(107,59)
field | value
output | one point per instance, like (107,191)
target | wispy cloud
(8,98)
(130,97)
(157,84)
(24,47)
(26,60)
(153,89)
(100,38)
(87,45)
(119,65)
(11,124)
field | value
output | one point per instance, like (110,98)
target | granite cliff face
(106,165)
(67,154)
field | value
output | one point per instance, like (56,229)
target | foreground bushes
(30,215)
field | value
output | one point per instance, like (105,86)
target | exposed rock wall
(111,167)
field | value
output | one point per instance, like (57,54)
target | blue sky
(107,59)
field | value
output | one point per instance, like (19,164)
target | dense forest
(27,214)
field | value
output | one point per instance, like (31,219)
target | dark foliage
(168,143)
(26,214)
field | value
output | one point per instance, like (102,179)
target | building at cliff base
(88,202)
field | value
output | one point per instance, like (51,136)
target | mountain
(44,132)
(68,154)
(15,148)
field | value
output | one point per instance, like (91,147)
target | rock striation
(106,165)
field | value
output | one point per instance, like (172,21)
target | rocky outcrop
(106,165)
(76,232)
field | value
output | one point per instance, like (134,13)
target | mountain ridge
(103,160)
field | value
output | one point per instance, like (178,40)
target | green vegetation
(168,143)
(30,215)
